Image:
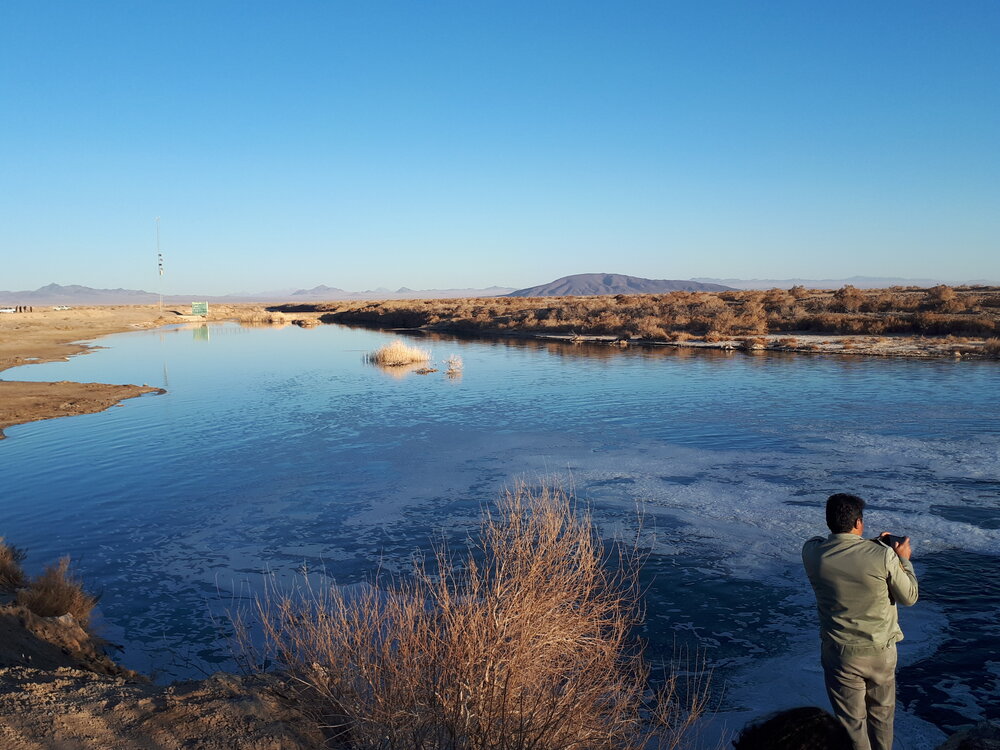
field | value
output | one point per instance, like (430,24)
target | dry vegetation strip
(524,643)
(56,592)
(711,316)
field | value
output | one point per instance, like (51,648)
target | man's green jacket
(858,583)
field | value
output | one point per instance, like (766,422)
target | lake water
(279,449)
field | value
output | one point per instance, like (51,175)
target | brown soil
(59,690)
(72,709)
(50,336)
(22,402)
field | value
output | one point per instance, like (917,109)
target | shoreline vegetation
(940,321)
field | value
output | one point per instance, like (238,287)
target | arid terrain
(59,690)
(936,322)
(960,322)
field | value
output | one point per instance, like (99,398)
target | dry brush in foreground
(524,643)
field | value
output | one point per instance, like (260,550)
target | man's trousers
(861,684)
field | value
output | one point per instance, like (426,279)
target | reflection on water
(276,448)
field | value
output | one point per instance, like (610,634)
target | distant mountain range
(578,284)
(323,292)
(588,284)
(74,294)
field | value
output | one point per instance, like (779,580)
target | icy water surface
(280,449)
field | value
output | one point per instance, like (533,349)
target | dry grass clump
(262,318)
(991,347)
(522,644)
(58,592)
(455,365)
(11,574)
(397,353)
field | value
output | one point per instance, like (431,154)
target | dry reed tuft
(58,592)
(11,574)
(991,347)
(522,644)
(262,318)
(397,353)
(455,365)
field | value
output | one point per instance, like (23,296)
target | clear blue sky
(463,144)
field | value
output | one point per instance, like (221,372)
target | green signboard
(199,308)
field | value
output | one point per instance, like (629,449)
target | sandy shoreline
(47,335)
(55,335)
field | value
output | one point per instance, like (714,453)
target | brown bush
(649,328)
(57,592)
(523,644)
(849,298)
(11,573)
(991,348)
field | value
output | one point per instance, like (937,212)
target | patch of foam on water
(737,501)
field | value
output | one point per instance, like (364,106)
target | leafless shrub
(58,592)
(523,644)
(651,330)
(991,348)
(11,573)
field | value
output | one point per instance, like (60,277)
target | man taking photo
(858,583)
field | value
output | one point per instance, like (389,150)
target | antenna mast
(159,262)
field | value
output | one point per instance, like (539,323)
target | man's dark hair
(805,728)
(843,512)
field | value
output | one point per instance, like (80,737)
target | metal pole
(159,262)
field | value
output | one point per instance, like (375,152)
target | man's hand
(900,548)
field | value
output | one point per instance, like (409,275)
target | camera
(889,539)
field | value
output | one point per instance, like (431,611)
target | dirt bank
(55,335)
(59,690)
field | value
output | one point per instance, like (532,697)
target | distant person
(805,728)
(858,583)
